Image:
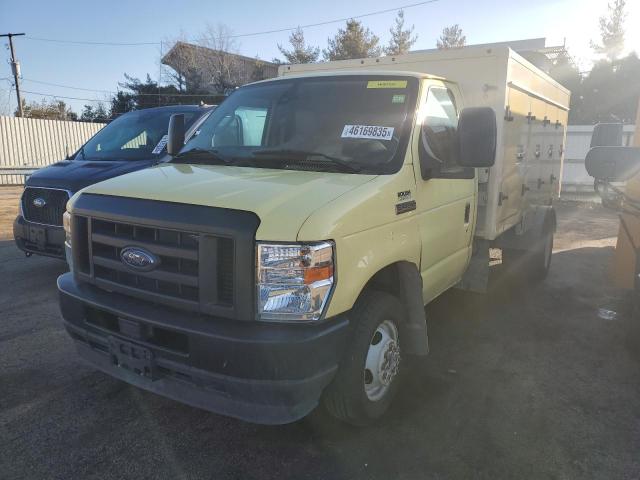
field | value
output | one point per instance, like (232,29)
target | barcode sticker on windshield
(367,131)
(160,145)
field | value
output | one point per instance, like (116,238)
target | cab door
(445,192)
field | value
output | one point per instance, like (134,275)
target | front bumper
(39,239)
(258,372)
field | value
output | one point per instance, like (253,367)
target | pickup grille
(205,255)
(55,203)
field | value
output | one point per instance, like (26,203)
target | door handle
(467,213)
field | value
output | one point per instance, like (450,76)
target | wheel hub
(383,360)
(390,363)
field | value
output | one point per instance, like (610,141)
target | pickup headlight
(294,280)
(66,224)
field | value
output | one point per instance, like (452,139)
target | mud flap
(476,278)
(414,330)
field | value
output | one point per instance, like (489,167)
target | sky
(96,67)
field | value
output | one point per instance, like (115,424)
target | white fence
(27,143)
(574,176)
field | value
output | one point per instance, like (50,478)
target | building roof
(167,58)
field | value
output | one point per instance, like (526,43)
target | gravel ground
(527,382)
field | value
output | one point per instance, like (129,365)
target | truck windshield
(351,124)
(133,136)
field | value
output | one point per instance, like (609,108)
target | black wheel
(540,257)
(368,377)
(531,264)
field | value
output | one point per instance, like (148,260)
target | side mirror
(175,142)
(613,164)
(477,133)
(607,135)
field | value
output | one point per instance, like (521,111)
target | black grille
(50,213)
(179,279)
(206,254)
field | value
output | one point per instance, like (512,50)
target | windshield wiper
(201,156)
(289,155)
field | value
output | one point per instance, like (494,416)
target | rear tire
(369,374)
(540,257)
(530,265)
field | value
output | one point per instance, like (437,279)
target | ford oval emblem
(39,202)
(139,259)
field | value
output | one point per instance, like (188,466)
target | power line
(67,86)
(63,96)
(338,20)
(240,35)
(133,95)
(113,92)
(87,42)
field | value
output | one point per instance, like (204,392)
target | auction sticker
(387,84)
(367,131)
(161,144)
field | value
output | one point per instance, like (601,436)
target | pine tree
(451,37)
(354,41)
(300,51)
(401,39)
(88,115)
(612,31)
(100,113)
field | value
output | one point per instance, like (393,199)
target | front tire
(369,374)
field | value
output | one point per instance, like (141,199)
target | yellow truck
(612,164)
(285,256)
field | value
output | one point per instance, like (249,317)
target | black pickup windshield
(336,123)
(133,136)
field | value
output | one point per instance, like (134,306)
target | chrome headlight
(294,280)
(66,224)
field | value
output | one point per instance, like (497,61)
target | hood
(73,175)
(283,199)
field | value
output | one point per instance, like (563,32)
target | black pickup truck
(133,141)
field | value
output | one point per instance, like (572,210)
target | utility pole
(15,67)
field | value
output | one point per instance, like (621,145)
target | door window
(440,126)
(439,145)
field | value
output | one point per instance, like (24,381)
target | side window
(244,129)
(439,147)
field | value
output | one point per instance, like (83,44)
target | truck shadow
(489,354)
(534,359)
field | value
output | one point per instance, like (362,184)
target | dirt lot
(9,199)
(528,382)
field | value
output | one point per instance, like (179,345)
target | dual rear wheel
(530,264)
